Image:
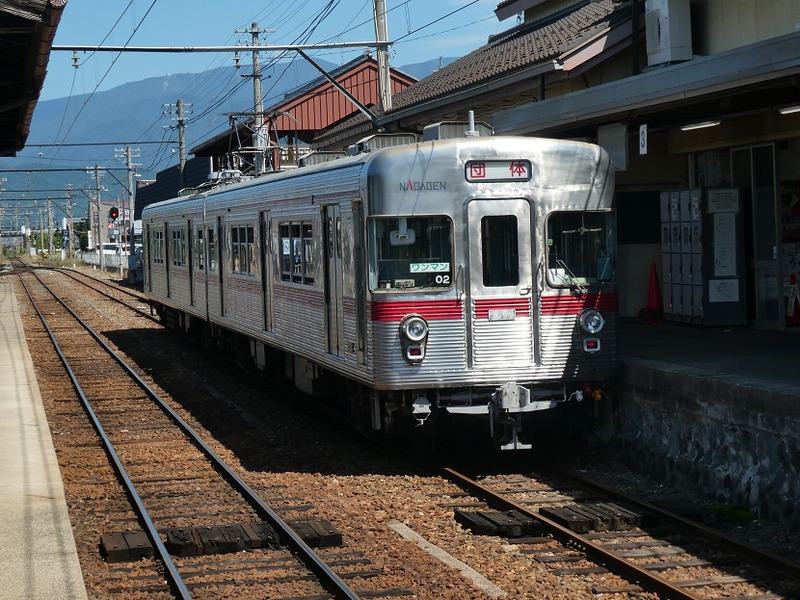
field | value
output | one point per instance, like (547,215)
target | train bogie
(472,277)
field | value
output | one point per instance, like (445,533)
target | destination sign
(498,170)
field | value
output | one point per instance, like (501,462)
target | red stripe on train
(431,310)
(572,305)
(438,310)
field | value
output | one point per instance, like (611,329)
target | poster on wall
(724,245)
(790,211)
(723,290)
(791,265)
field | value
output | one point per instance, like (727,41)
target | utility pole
(182,143)
(50,227)
(258,103)
(259,146)
(384,76)
(180,107)
(69,231)
(129,194)
(41,232)
(101,221)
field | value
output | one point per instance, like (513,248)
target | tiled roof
(520,48)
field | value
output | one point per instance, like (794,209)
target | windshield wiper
(572,282)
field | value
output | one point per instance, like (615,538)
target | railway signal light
(113,213)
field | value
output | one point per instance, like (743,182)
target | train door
(167,259)
(148,254)
(266,270)
(220,264)
(332,228)
(190,259)
(500,284)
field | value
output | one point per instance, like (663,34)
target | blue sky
(214,23)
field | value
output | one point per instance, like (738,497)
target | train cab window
(411,253)
(500,251)
(243,255)
(297,252)
(178,248)
(581,248)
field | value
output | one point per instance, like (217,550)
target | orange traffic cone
(655,309)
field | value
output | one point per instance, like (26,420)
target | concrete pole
(384,76)
(258,104)
(181,144)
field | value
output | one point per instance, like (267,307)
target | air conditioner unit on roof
(668,28)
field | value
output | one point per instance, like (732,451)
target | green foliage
(732,515)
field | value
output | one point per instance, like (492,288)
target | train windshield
(410,253)
(581,248)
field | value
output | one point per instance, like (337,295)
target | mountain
(423,69)
(135,112)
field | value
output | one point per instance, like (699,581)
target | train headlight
(591,321)
(413,338)
(414,328)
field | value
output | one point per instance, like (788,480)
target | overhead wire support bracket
(300,49)
(363,108)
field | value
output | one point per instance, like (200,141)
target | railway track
(403,515)
(182,494)
(580,528)
(116,293)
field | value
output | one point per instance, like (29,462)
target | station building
(698,102)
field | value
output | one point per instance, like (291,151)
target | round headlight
(591,321)
(414,328)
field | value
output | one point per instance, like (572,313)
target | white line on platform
(477,579)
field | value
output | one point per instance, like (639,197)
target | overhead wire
(113,62)
(227,90)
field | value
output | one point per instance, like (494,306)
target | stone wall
(723,437)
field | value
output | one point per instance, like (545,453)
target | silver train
(470,276)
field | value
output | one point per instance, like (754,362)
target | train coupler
(421,408)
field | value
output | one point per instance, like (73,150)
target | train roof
(526,147)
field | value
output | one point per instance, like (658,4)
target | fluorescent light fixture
(788,110)
(700,125)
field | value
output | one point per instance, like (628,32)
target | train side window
(243,250)
(158,246)
(500,251)
(201,257)
(178,248)
(212,250)
(297,252)
(308,252)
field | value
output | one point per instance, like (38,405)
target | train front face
(491,278)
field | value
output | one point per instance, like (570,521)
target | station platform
(765,359)
(39,556)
